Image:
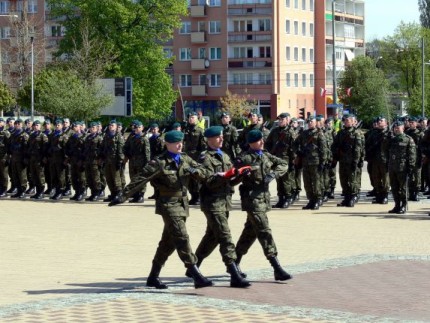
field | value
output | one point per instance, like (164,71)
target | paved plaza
(86,262)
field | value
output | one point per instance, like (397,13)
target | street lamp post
(32,77)
(333,26)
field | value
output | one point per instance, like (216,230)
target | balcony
(253,63)
(198,64)
(198,37)
(198,11)
(254,10)
(245,37)
(198,90)
(242,2)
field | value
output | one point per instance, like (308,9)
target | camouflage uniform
(280,143)
(415,179)
(47,166)
(37,151)
(329,173)
(311,149)
(74,153)
(92,147)
(231,141)
(4,160)
(19,162)
(56,152)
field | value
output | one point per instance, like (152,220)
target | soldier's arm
(280,166)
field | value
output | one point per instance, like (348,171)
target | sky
(383,16)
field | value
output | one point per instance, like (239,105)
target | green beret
(99,123)
(113,121)
(283,115)
(413,119)
(153,125)
(57,121)
(213,131)
(47,121)
(137,123)
(119,124)
(176,125)
(93,124)
(311,118)
(36,122)
(293,119)
(398,123)
(253,136)
(10,119)
(66,120)
(319,118)
(174,136)
(27,121)
(193,113)
(18,121)
(1,120)
(225,114)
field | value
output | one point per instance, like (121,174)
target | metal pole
(423,78)
(32,78)
(334,53)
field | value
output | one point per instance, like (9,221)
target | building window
(311,80)
(185,54)
(303,80)
(296,4)
(296,79)
(304,4)
(311,29)
(265,78)
(287,3)
(215,3)
(311,5)
(296,54)
(339,53)
(56,31)
(202,79)
(311,55)
(243,52)
(4,6)
(303,54)
(287,26)
(185,80)
(242,78)
(32,6)
(168,52)
(265,51)
(214,27)
(185,27)
(303,29)
(264,25)
(5,33)
(296,27)
(288,53)
(288,79)
(202,52)
(215,53)
(215,80)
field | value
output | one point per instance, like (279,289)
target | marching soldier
(170,173)
(101,134)
(311,150)
(92,147)
(137,151)
(253,124)
(156,143)
(401,161)
(18,161)
(415,179)
(194,144)
(10,125)
(112,155)
(37,150)
(122,169)
(255,200)
(280,143)
(230,144)
(329,172)
(56,155)
(46,162)
(4,158)
(297,183)
(347,150)
(215,194)
(67,130)
(74,153)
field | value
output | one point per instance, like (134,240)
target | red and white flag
(323,91)
(348,91)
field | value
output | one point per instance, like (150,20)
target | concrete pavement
(81,262)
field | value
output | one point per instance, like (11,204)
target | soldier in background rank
(46,162)
(415,180)
(4,158)
(230,144)
(67,130)
(91,152)
(56,155)
(74,154)
(18,161)
(37,150)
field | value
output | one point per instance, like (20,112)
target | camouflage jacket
(311,147)
(402,153)
(280,143)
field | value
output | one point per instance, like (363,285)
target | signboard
(122,89)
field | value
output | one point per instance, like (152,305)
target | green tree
(7,99)
(132,32)
(62,93)
(237,105)
(367,87)
(424,7)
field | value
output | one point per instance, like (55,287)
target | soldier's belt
(172,194)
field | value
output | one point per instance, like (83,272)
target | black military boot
(236,279)
(30,191)
(3,192)
(58,195)
(198,264)
(48,190)
(67,191)
(384,199)
(371,193)
(109,198)
(287,202)
(414,196)
(80,195)
(331,194)
(97,196)
(91,197)
(39,194)
(195,199)
(396,208)
(344,202)
(153,278)
(403,207)
(315,205)
(377,199)
(200,281)
(137,198)
(237,262)
(73,198)
(296,196)
(12,190)
(19,194)
(307,206)
(352,199)
(280,273)
(281,201)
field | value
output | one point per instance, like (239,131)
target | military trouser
(370,171)
(415,179)
(92,174)
(285,184)
(257,227)
(425,176)
(298,179)
(348,179)
(4,167)
(174,237)
(135,170)
(122,177)
(68,175)
(77,172)
(36,171)
(217,232)
(58,173)
(399,185)
(18,172)
(31,181)
(312,182)
(47,173)
(113,177)
(379,177)
(102,175)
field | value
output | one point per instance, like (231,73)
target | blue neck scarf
(258,152)
(175,157)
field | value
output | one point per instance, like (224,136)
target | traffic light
(302,113)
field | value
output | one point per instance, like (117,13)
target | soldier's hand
(269,177)
(230,173)
(191,170)
(245,170)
